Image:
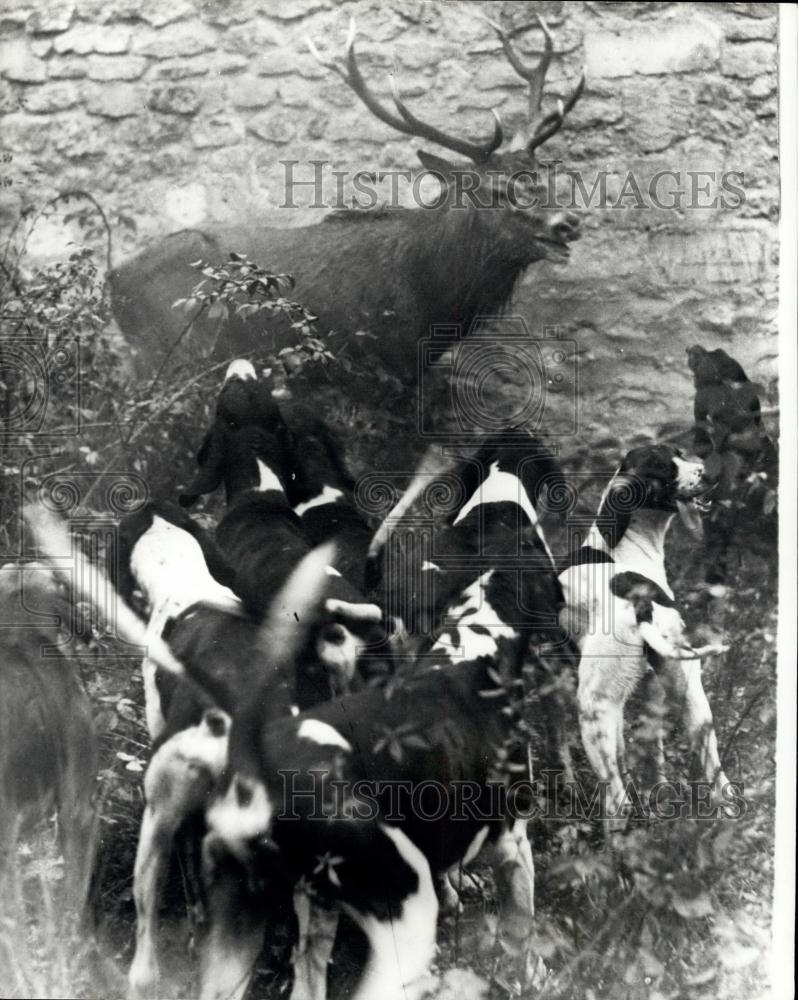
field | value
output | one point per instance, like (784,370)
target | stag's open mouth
(555,249)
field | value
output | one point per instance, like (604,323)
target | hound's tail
(90,583)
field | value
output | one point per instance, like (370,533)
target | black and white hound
(495,522)
(166,559)
(363,798)
(453,716)
(163,562)
(302,453)
(250,450)
(620,609)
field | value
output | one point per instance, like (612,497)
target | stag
(394,272)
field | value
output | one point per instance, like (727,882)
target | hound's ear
(210,459)
(621,499)
(217,565)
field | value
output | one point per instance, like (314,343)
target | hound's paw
(461,984)
(448,898)
(143,984)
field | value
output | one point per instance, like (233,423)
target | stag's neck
(466,265)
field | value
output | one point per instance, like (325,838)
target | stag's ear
(210,459)
(444,170)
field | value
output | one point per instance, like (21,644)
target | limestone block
(678,47)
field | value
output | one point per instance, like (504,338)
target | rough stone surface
(114,101)
(679,47)
(252,92)
(84,39)
(186,38)
(217,133)
(177,113)
(179,100)
(18,63)
(56,16)
(157,13)
(747,60)
(51,97)
(69,68)
(105,68)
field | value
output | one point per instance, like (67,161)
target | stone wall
(176,113)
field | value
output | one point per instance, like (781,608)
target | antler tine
(553,122)
(408,123)
(353,78)
(535,75)
(478,152)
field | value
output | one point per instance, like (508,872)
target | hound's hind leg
(317,928)
(683,678)
(236,925)
(177,784)
(402,946)
(514,872)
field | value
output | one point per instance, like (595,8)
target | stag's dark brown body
(393,273)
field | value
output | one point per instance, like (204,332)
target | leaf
(702,978)
(218,310)
(127,709)
(694,907)
(106,720)
(739,956)
(416,742)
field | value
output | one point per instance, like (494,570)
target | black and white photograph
(398,499)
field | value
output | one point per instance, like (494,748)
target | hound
(304,456)
(354,848)
(496,608)
(248,450)
(621,610)
(165,559)
(495,521)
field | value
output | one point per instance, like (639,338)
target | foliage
(241,288)
(683,910)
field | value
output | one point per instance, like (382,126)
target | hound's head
(249,445)
(348,644)
(655,478)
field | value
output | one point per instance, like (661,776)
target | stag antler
(536,76)
(408,124)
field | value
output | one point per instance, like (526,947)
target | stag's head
(506,179)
